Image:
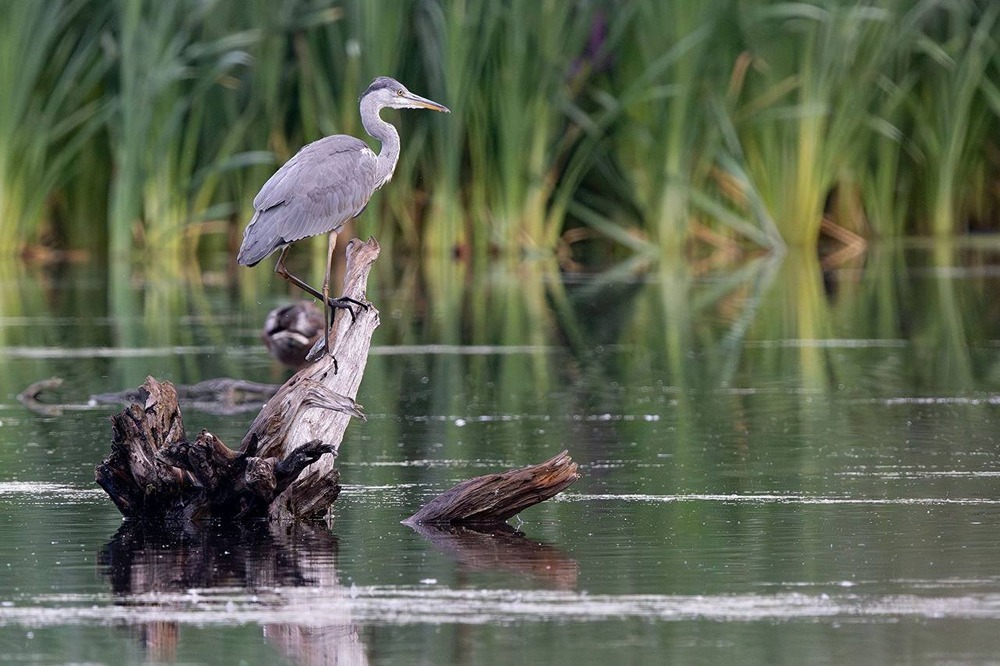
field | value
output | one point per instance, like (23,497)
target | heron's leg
(327,306)
(342,302)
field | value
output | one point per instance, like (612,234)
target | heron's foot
(347,303)
(317,352)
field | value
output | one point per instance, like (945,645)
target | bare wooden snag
(318,401)
(494,498)
(284,468)
(155,473)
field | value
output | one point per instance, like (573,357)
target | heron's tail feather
(257,244)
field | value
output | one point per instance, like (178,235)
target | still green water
(780,464)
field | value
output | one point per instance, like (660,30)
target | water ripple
(429,605)
(778,499)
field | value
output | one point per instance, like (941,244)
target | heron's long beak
(424,103)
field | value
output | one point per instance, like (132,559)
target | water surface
(780,465)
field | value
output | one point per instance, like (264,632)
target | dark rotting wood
(138,483)
(494,498)
(155,473)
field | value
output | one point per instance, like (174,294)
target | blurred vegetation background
(585,129)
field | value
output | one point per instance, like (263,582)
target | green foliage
(50,69)
(144,129)
(803,120)
(952,117)
(672,58)
(166,132)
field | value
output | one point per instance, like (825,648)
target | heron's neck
(387,135)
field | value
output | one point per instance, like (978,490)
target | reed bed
(142,130)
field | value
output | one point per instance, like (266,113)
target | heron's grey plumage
(323,186)
(329,181)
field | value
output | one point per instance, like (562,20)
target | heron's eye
(399,93)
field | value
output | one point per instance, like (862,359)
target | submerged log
(289,332)
(494,498)
(222,395)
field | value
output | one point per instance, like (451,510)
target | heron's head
(386,91)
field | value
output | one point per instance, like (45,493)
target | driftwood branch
(492,499)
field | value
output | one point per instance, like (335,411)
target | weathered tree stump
(137,481)
(155,473)
(284,468)
(318,401)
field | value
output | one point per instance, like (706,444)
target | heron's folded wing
(325,184)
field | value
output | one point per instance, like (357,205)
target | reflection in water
(502,548)
(143,561)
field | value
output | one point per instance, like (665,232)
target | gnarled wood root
(155,473)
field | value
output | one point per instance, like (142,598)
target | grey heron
(325,184)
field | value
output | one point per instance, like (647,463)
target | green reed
(450,45)
(519,133)
(171,132)
(802,120)
(955,55)
(49,72)
(671,56)
(145,129)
